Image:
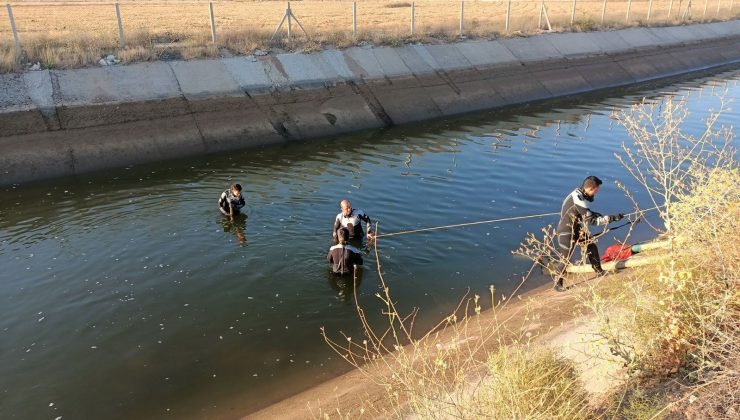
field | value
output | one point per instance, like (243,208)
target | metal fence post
(573,14)
(290,25)
(718,4)
(12,28)
(121,38)
(686,13)
(354,19)
(704,15)
(508,14)
(413,12)
(670,7)
(539,22)
(213,24)
(629,6)
(650,10)
(603,12)
(462,18)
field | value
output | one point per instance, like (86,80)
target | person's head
(591,186)
(346,207)
(342,235)
(236,189)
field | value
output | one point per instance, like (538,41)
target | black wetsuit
(343,258)
(353,223)
(228,200)
(575,216)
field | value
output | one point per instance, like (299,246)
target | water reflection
(237,225)
(345,285)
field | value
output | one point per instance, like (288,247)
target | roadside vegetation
(71,34)
(673,327)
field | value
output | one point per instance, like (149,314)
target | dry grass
(74,34)
(681,319)
(527,382)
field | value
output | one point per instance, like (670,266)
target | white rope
(466,224)
(506,219)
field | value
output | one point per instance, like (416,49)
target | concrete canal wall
(65,122)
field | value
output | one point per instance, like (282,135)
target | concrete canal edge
(65,122)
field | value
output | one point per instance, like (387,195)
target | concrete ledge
(40,90)
(302,71)
(448,57)
(639,38)
(20,113)
(55,123)
(487,54)
(205,79)
(572,45)
(390,62)
(533,49)
(251,76)
(418,65)
(363,63)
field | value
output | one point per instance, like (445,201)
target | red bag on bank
(617,252)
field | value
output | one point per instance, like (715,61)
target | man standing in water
(352,219)
(575,216)
(231,201)
(343,257)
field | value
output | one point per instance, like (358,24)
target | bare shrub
(663,157)
(682,317)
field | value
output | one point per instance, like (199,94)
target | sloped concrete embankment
(66,122)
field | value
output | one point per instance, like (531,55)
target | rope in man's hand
(506,219)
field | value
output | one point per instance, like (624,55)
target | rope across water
(505,219)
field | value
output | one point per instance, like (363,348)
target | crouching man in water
(231,201)
(343,257)
(351,219)
(575,216)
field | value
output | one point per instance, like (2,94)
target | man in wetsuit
(343,257)
(575,216)
(231,201)
(352,219)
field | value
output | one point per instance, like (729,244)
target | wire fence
(245,25)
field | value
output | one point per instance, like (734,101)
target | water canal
(124,294)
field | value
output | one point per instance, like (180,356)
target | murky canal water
(124,294)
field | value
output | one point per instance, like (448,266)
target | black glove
(617,217)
